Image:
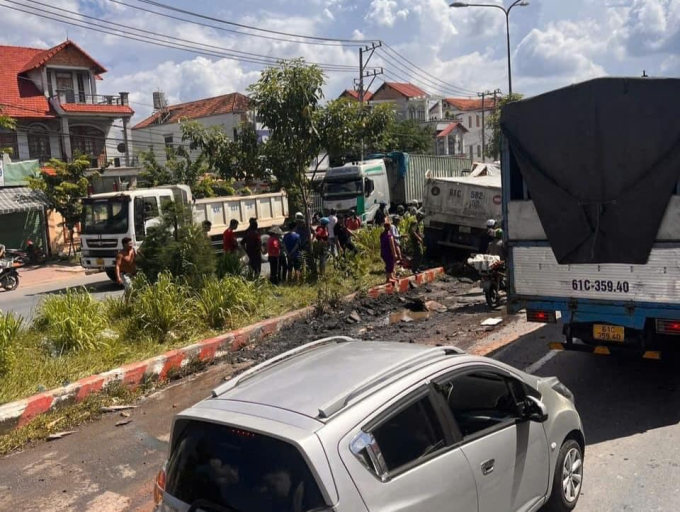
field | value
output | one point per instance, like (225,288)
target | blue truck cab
(591,212)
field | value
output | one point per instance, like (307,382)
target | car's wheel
(568,478)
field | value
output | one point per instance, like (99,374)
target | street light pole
(521,3)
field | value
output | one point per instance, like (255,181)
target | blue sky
(554,42)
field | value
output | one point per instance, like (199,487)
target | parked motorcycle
(9,277)
(493,282)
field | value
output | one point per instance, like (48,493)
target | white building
(162,129)
(468,112)
(410,101)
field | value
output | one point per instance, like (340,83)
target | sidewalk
(45,274)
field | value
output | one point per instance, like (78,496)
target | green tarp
(17,173)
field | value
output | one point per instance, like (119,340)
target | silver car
(348,425)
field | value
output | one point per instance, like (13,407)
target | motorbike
(493,282)
(9,277)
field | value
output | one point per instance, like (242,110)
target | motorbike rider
(497,247)
(489,237)
(2,251)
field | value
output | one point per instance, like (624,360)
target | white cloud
(563,50)
(382,12)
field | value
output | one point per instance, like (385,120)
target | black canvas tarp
(600,160)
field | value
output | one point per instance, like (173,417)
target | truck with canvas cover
(456,211)
(591,207)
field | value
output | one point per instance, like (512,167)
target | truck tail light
(541,316)
(159,486)
(668,327)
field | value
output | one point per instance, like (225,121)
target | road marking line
(532,368)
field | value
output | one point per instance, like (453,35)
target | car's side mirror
(369,187)
(535,410)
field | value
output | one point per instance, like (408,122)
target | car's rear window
(239,470)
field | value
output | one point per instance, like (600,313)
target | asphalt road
(630,410)
(25,299)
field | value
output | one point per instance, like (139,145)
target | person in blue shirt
(291,245)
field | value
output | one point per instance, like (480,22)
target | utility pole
(483,95)
(496,95)
(370,50)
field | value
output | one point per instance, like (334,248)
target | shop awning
(21,199)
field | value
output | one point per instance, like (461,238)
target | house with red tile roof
(52,95)
(410,101)
(469,113)
(162,129)
(354,95)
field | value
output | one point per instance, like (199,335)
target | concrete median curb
(17,414)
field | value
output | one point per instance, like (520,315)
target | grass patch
(67,418)
(165,315)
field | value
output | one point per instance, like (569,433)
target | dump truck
(456,211)
(396,178)
(591,205)
(110,217)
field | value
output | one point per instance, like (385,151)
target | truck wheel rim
(572,475)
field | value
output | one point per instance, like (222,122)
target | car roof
(321,380)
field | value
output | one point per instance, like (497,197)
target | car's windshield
(239,469)
(340,189)
(105,216)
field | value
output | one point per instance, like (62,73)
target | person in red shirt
(352,222)
(274,254)
(229,242)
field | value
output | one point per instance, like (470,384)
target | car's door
(402,459)
(507,453)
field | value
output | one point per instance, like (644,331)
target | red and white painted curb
(17,414)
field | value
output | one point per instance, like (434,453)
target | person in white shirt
(332,240)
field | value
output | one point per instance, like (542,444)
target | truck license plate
(608,332)
(100,261)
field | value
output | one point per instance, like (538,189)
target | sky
(554,43)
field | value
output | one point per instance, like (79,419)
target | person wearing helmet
(321,244)
(380,215)
(400,210)
(352,222)
(488,238)
(396,234)
(416,243)
(497,248)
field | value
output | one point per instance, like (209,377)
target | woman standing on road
(388,252)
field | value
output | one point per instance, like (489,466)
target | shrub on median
(72,321)
(160,309)
(220,300)
(10,329)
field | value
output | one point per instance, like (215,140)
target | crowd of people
(304,248)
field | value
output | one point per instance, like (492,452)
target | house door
(65,86)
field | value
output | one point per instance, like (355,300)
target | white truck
(456,211)
(110,217)
(396,178)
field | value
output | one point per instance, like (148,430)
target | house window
(479,151)
(39,143)
(421,115)
(88,141)
(469,121)
(168,141)
(65,86)
(477,121)
(9,143)
(411,113)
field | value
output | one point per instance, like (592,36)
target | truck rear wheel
(111,273)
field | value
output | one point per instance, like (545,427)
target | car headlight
(564,391)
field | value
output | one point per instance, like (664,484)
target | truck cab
(108,218)
(359,186)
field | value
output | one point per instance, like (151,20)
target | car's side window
(411,434)
(481,400)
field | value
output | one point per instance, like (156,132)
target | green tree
(179,246)
(493,123)
(408,136)
(179,168)
(238,159)
(64,189)
(344,124)
(287,98)
(6,123)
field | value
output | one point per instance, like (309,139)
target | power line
(265,60)
(240,25)
(397,54)
(224,29)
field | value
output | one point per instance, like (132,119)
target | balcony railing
(68,96)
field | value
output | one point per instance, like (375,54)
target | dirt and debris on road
(446,312)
